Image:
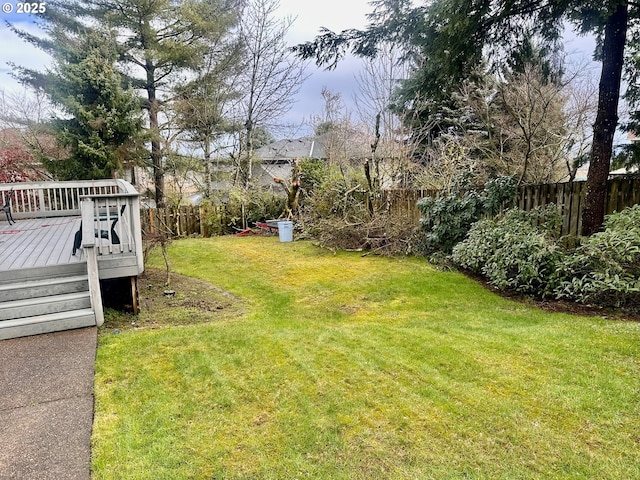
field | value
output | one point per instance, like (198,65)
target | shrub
(214,218)
(605,269)
(446,220)
(240,207)
(312,173)
(515,251)
(521,251)
(477,249)
(339,194)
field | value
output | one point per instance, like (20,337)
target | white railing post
(88,246)
(137,231)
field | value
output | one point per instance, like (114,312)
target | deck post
(88,245)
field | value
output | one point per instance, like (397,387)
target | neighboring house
(624,171)
(276,159)
(582,172)
(270,161)
(634,170)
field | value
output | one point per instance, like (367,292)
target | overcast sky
(308,17)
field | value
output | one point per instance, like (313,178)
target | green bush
(312,173)
(514,251)
(446,220)
(605,269)
(240,207)
(477,249)
(254,205)
(521,251)
(339,194)
(214,218)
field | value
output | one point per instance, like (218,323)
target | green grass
(344,367)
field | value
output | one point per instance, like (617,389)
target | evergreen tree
(101,124)
(449,38)
(159,44)
(163,40)
(97,121)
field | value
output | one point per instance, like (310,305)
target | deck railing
(116,220)
(115,217)
(56,199)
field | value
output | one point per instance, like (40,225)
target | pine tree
(159,43)
(102,123)
(163,40)
(98,121)
(448,39)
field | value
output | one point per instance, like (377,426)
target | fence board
(191,220)
(182,221)
(622,193)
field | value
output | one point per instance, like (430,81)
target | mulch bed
(561,306)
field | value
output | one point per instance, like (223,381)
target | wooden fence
(621,193)
(190,220)
(185,221)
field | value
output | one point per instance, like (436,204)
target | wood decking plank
(37,243)
(44,243)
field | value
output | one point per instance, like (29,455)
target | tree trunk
(207,168)
(156,153)
(606,119)
(248,167)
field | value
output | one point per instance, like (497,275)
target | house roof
(625,171)
(291,149)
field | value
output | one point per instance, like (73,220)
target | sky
(308,18)
(13,49)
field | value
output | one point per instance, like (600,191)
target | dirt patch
(187,301)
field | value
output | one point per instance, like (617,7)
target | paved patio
(46,405)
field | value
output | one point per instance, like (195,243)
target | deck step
(30,307)
(42,273)
(44,287)
(43,300)
(53,322)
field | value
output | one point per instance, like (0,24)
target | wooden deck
(38,242)
(43,287)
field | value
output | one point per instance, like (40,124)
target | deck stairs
(44,300)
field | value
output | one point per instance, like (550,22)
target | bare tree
(344,141)
(532,119)
(580,113)
(271,76)
(23,117)
(518,125)
(203,105)
(397,145)
(377,82)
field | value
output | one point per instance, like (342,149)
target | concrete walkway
(46,405)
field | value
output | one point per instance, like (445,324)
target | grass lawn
(343,367)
